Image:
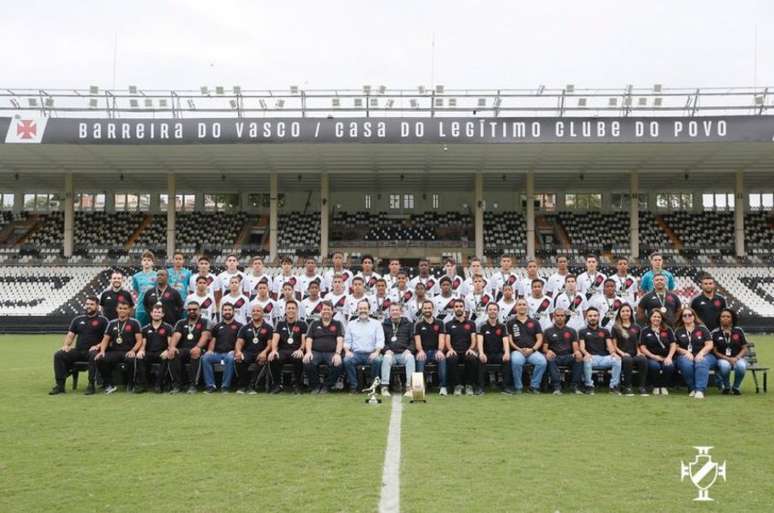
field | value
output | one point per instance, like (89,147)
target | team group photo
(410,257)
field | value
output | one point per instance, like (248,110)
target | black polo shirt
(170,301)
(595,340)
(324,337)
(693,341)
(460,334)
(627,342)
(156,340)
(560,340)
(403,336)
(708,309)
(428,333)
(523,334)
(651,301)
(291,335)
(657,342)
(88,329)
(493,337)
(109,301)
(729,345)
(190,333)
(122,334)
(256,338)
(225,335)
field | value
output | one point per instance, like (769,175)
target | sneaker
(589,390)
(240,391)
(90,390)
(276,390)
(443,392)
(664,391)
(698,395)
(615,390)
(726,391)
(508,391)
(252,391)
(210,390)
(656,391)
(644,392)
(692,394)
(575,390)
(56,390)
(628,392)
(736,391)
(534,391)
(385,392)
(175,390)
(557,391)
(191,390)
(458,390)
(109,389)
(469,390)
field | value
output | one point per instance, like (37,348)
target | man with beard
(168,297)
(189,341)
(221,350)
(461,344)
(120,344)
(252,347)
(323,344)
(599,352)
(562,349)
(155,342)
(709,303)
(81,344)
(287,347)
(666,302)
(114,295)
(429,342)
(525,339)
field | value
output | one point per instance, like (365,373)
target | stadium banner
(439,130)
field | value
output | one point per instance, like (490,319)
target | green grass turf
(151,453)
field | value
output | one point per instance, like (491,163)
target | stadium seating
(429,226)
(759,233)
(194,232)
(91,229)
(37,291)
(703,232)
(299,233)
(504,232)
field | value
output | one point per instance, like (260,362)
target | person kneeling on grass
(626,337)
(363,344)
(598,350)
(562,349)
(492,345)
(525,339)
(252,347)
(694,352)
(730,350)
(120,344)
(155,345)
(429,339)
(89,329)
(323,344)
(221,349)
(398,333)
(657,343)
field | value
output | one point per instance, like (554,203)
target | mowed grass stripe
(127,453)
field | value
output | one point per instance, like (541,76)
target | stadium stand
(504,232)
(299,233)
(429,226)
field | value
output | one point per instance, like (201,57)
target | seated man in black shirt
(429,341)
(323,344)
(287,347)
(562,349)
(189,341)
(155,342)
(120,344)
(221,349)
(88,329)
(599,352)
(493,346)
(461,344)
(252,346)
(398,334)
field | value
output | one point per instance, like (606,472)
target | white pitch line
(390,499)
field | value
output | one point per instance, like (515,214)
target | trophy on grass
(418,387)
(373,396)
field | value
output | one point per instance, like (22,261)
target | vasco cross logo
(703,472)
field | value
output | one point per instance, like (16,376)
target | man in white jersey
(625,283)
(285,276)
(504,275)
(474,270)
(608,304)
(232,270)
(590,281)
(414,307)
(368,274)
(425,278)
(310,274)
(391,278)
(289,293)
(457,282)
(507,304)
(266,303)
(256,275)
(539,305)
(401,293)
(555,283)
(358,294)
(203,297)
(382,300)
(477,301)
(525,284)
(338,298)
(311,305)
(444,302)
(214,286)
(337,260)
(572,302)
(236,298)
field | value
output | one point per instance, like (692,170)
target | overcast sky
(184,44)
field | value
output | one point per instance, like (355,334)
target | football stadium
(425,299)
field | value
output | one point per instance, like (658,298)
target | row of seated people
(257,349)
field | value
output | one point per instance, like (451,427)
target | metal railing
(234,102)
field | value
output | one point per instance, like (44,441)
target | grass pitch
(126,453)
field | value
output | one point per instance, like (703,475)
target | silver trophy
(373,396)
